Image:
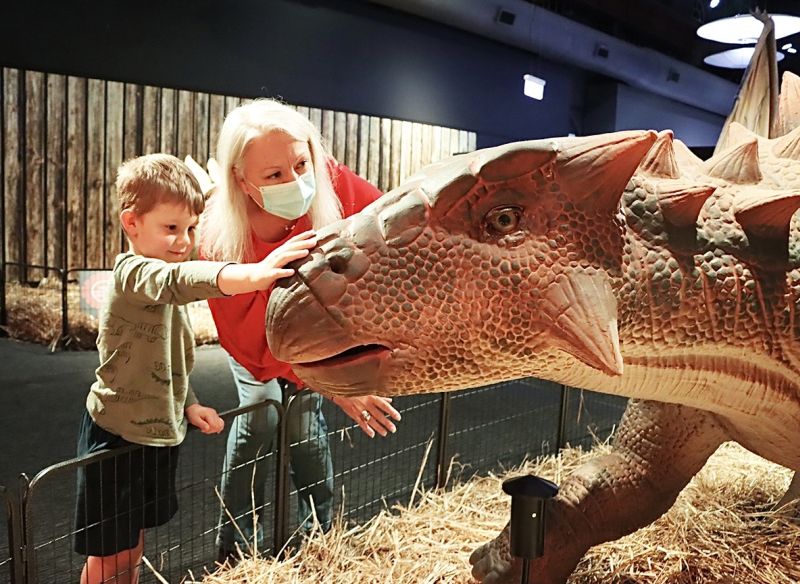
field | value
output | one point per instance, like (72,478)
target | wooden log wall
(63,138)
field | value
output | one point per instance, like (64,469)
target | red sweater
(240,319)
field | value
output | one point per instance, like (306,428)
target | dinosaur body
(619,263)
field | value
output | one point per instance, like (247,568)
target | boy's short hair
(147,180)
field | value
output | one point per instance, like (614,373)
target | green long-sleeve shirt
(146,347)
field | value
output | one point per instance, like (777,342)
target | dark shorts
(119,496)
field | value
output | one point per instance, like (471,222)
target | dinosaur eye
(503,220)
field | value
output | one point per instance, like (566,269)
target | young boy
(142,394)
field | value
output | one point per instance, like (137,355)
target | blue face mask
(289,200)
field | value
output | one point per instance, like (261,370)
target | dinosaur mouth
(352,356)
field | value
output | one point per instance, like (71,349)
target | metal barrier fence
(483,429)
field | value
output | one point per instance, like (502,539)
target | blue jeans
(251,437)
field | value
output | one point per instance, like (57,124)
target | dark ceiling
(669,26)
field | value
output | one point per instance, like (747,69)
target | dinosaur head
(507,255)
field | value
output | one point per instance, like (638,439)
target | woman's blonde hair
(225,229)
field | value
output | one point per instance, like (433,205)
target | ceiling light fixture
(744,29)
(735,58)
(713,4)
(534,86)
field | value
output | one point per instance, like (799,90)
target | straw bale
(34,315)
(722,529)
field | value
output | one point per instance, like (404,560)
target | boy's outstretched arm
(206,419)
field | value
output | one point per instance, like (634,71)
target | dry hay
(721,530)
(34,315)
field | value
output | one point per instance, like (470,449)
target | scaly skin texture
(619,263)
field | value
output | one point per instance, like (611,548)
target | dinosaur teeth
(660,160)
(788,146)
(737,165)
(582,311)
(681,203)
(789,104)
(595,170)
(766,214)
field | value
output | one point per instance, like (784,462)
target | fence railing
(484,429)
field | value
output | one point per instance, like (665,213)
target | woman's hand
(370,412)
(206,419)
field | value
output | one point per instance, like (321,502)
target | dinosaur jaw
(359,370)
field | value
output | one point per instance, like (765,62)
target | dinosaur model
(620,263)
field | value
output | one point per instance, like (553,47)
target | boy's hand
(271,267)
(206,419)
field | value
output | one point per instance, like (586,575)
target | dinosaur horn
(582,310)
(595,170)
(660,160)
(517,159)
(737,165)
(686,159)
(789,104)
(788,146)
(681,203)
(766,214)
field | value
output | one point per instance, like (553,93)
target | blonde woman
(275,180)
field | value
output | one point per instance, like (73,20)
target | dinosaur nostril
(338,264)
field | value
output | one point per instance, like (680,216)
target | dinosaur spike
(517,159)
(583,313)
(789,104)
(660,160)
(686,159)
(737,165)
(596,169)
(788,146)
(766,214)
(681,203)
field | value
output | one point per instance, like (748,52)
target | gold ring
(365,415)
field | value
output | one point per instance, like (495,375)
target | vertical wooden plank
(384,182)
(184,124)
(374,157)
(436,143)
(216,115)
(302,110)
(463,141)
(406,129)
(315,115)
(3,74)
(151,119)
(55,238)
(416,147)
(76,171)
(12,167)
(473,141)
(115,114)
(95,165)
(327,130)
(35,218)
(231,102)
(200,147)
(352,141)
(427,139)
(454,142)
(169,135)
(340,136)
(397,143)
(132,130)
(363,146)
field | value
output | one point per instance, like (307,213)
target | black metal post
(281,511)
(441,450)
(15,537)
(562,419)
(529,496)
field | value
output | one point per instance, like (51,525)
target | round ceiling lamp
(744,29)
(734,58)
